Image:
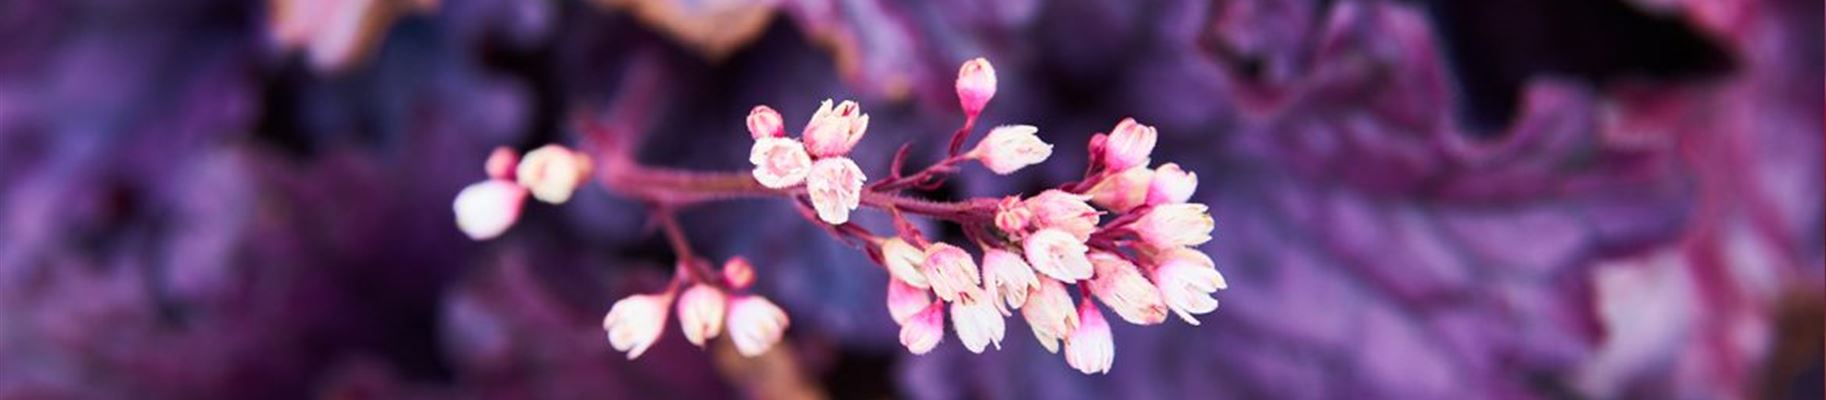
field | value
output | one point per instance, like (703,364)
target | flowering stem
(672,188)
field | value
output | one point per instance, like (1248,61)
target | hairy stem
(673,188)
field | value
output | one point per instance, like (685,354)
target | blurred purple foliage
(189,211)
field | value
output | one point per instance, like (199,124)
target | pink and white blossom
(977,323)
(1058,254)
(1090,349)
(501,163)
(484,210)
(1186,279)
(700,313)
(975,85)
(1174,225)
(1123,191)
(1129,145)
(1012,217)
(834,130)
(1007,278)
(950,271)
(764,122)
(1063,210)
(903,261)
(755,324)
(634,323)
(1171,185)
(1121,287)
(905,300)
(835,187)
(1049,312)
(1009,148)
(553,172)
(922,332)
(779,162)
(738,273)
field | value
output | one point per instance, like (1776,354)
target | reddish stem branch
(672,188)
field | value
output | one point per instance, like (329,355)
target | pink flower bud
(833,131)
(950,271)
(755,324)
(1123,191)
(486,209)
(764,122)
(1012,218)
(779,162)
(553,172)
(501,162)
(977,323)
(905,300)
(1171,185)
(835,187)
(738,272)
(1174,225)
(1129,145)
(975,85)
(634,323)
(700,313)
(1063,210)
(1058,254)
(1186,279)
(1007,278)
(924,330)
(1121,287)
(1049,312)
(903,261)
(1010,148)
(1090,349)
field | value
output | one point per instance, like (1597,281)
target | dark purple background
(1430,199)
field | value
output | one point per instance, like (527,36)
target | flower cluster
(1124,235)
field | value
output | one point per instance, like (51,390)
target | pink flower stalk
(738,273)
(922,332)
(779,162)
(1009,148)
(635,322)
(1174,225)
(1049,312)
(1033,247)
(755,324)
(1007,278)
(1129,145)
(501,162)
(1171,185)
(1058,254)
(764,122)
(486,209)
(1059,209)
(1090,349)
(904,261)
(1186,279)
(975,86)
(977,323)
(1121,287)
(950,271)
(833,131)
(553,172)
(1123,191)
(700,313)
(905,300)
(835,187)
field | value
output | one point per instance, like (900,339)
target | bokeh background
(1415,199)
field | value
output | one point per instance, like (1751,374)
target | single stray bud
(1129,145)
(764,122)
(1009,148)
(738,272)
(634,323)
(975,85)
(834,130)
(700,313)
(553,172)
(1171,185)
(501,163)
(1090,349)
(755,324)
(486,209)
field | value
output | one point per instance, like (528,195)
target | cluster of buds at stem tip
(1125,235)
